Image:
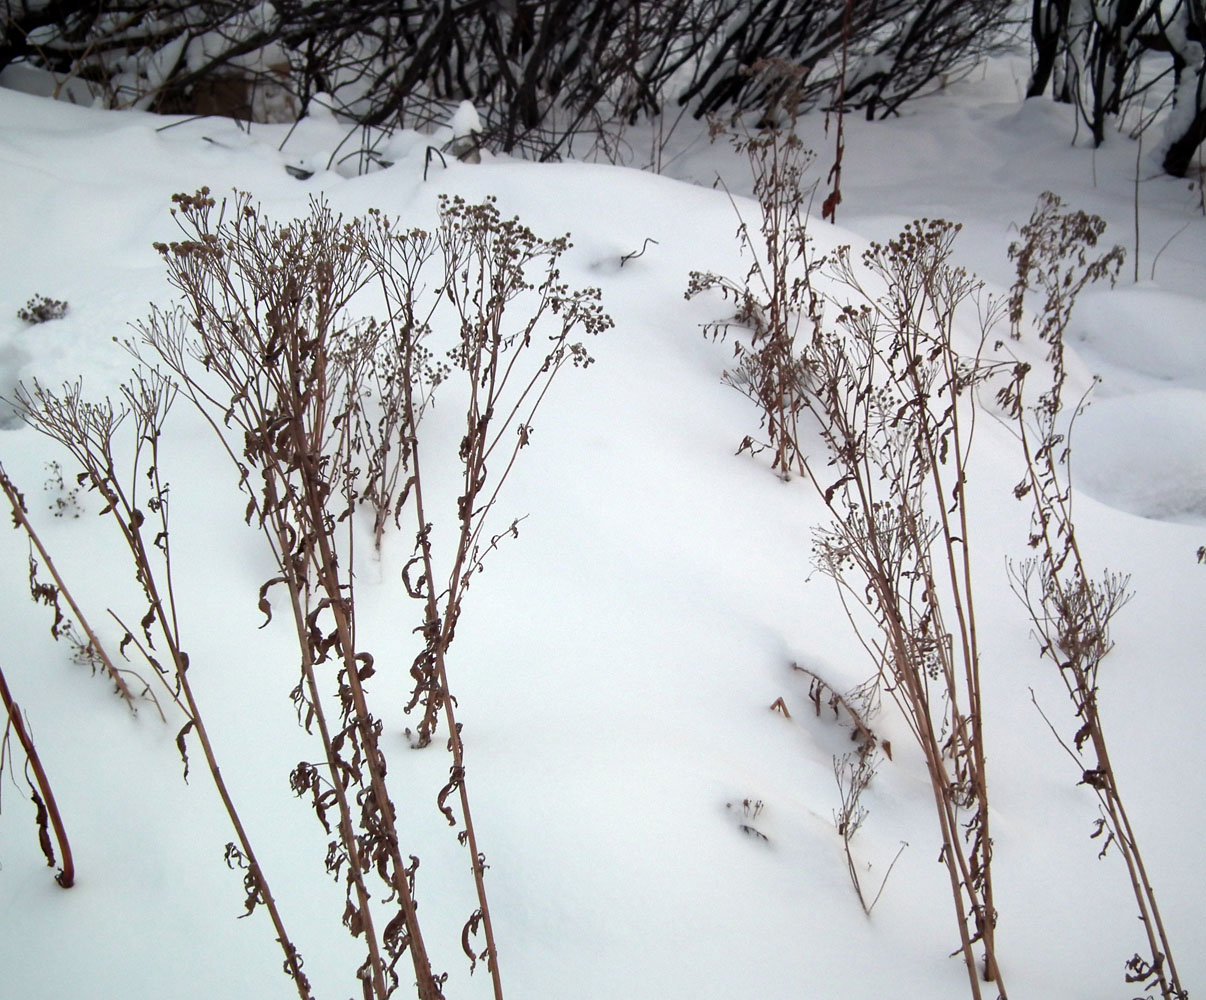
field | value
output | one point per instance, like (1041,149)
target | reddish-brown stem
(66,875)
(346,827)
(180,662)
(14,499)
(454,738)
(427,985)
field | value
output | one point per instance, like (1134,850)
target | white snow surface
(615,664)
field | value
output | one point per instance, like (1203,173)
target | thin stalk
(19,514)
(66,875)
(454,739)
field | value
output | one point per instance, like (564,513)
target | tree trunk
(1048,31)
(1180,153)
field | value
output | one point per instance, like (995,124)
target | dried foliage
(136,502)
(853,771)
(320,415)
(87,648)
(1070,608)
(63,627)
(751,809)
(41,309)
(775,302)
(890,394)
(46,809)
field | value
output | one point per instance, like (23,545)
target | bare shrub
(550,78)
(1107,58)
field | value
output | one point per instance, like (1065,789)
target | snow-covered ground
(615,665)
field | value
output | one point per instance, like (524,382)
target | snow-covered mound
(653,828)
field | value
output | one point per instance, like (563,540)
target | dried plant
(853,773)
(1071,608)
(89,432)
(857,705)
(64,502)
(64,627)
(262,345)
(776,301)
(327,411)
(493,268)
(88,651)
(854,770)
(47,814)
(41,309)
(892,398)
(751,809)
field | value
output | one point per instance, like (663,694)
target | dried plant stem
(20,517)
(347,834)
(44,796)
(428,988)
(257,880)
(889,394)
(488,262)
(773,302)
(1063,580)
(1071,612)
(87,431)
(282,536)
(266,317)
(455,743)
(868,740)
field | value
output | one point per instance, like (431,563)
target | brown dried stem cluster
(890,395)
(328,411)
(1070,609)
(89,431)
(894,402)
(320,413)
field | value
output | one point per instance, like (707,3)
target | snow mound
(1145,454)
(1141,330)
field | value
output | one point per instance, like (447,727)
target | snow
(615,664)
(465,120)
